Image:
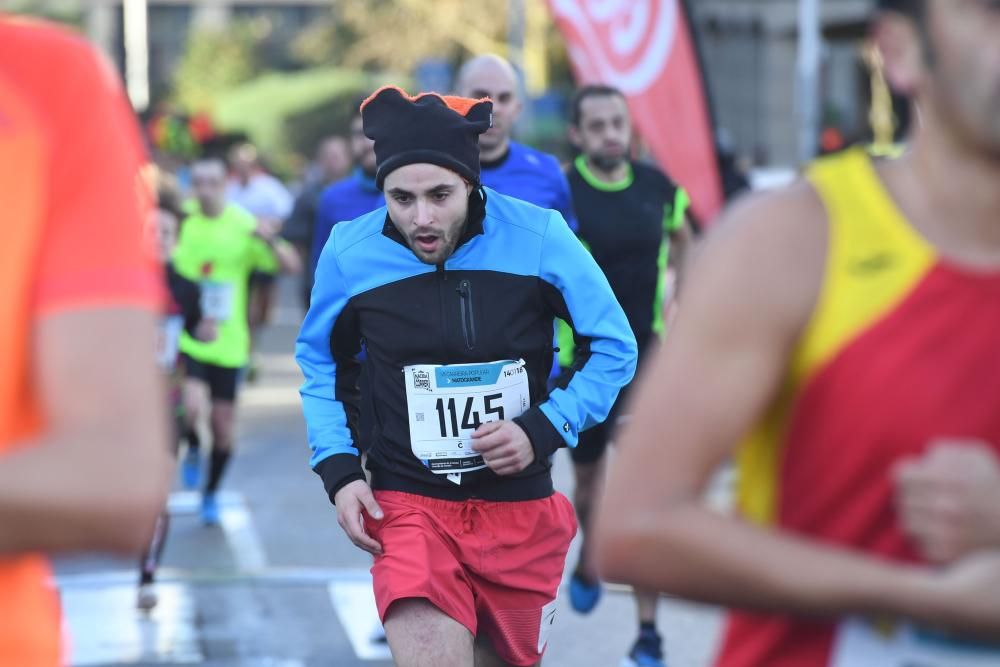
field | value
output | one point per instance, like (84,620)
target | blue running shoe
(583,595)
(210,510)
(646,652)
(191,470)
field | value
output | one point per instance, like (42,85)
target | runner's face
(362,147)
(428,204)
(963,79)
(494,81)
(209,188)
(952,71)
(334,160)
(604,132)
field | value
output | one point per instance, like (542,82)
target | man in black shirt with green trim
(633,220)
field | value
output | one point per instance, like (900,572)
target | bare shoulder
(766,256)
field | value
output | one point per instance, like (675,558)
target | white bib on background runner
(167,341)
(445,404)
(216,300)
(860,643)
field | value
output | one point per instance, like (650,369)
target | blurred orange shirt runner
(70,239)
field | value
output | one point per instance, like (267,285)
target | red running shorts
(495,567)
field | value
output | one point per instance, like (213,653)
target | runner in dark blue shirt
(351,197)
(508,167)
(345,200)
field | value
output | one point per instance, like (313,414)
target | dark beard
(605,163)
(448,246)
(447,249)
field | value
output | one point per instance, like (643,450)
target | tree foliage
(215,61)
(396,35)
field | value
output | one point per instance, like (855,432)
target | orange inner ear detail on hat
(461,105)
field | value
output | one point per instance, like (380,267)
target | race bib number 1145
(446,404)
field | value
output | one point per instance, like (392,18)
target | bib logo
(422,380)
(625,43)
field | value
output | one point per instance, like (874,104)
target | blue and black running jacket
(515,269)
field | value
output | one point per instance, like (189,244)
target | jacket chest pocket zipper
(464,290)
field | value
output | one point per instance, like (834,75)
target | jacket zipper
(442,292)
(464,290)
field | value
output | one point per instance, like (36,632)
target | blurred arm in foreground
(84,461)
(723,367)
(95,479)
(843,329)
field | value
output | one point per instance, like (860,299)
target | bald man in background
(508,167)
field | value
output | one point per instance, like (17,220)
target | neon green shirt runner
(219,254)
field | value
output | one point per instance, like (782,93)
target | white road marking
(106,628)
(354,602)
(242,537)
(244,542)
(103,626)
(275,576)
(271,398)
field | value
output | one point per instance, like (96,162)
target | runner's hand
(352,502)
(949,499)
(207,330)
(268,228)
(504,446)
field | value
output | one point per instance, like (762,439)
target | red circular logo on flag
(625,43)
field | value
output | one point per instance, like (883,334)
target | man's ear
(903,51)
(518,108)
(573,132)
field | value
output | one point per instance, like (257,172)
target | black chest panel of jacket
(624,231)
(450,317)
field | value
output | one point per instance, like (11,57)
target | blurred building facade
(171,21)
(749,48)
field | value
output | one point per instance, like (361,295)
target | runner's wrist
(990,511)
(871,587)
(909,592)
(338,471)
(340,484)
(544,437)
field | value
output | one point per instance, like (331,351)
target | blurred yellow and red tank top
(903,348)
(70,239)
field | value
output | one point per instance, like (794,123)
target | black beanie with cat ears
(426,128)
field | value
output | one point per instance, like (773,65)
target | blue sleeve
(607,350)
(564,200)
(325,220)
(325,351)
